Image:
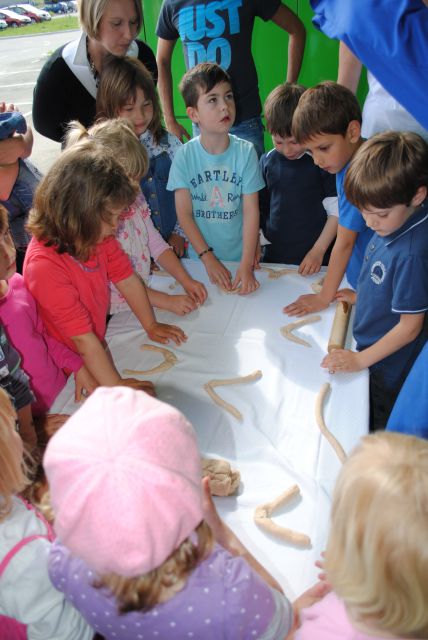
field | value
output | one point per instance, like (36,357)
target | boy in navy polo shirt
(388,181)
(327,121)
(298,207)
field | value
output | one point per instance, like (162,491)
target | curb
(37,35)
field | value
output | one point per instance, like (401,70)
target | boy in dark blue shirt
(298,207)
(388,181)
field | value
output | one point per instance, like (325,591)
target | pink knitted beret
(125,480)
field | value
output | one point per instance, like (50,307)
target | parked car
(21,12)
(13,19)
(56,7)
(35,14)
(3,24)
(72,5)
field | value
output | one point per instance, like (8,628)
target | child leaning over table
(327,121)
(298,207)
(376,558)
(169,567)
(388,181)
(216,178)
(136,233)
(74,254)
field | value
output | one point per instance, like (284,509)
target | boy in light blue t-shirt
(216,179)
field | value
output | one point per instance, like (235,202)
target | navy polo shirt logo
(378,272)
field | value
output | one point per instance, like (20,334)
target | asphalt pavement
(21,59)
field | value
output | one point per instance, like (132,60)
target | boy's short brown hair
(387,170)
(327,108)
(280,106)
(201,79)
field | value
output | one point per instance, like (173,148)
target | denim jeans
(251,130)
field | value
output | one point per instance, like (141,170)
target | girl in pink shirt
(43,358)
(136,233)
(74,254)
(377,556)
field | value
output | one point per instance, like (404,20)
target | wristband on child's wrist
(205,251)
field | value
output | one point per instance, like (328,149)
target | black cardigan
(60,97)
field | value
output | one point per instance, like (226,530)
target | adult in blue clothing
(410,412)
(390,39)
(221,32)
(67,85)
(381,111)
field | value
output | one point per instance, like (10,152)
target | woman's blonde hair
(13,478)
(120,79)
(116,135)
(91,13)
(144,592)
(377,553)
(76,196)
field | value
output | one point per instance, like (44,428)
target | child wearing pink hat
(135,554)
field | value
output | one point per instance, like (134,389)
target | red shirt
(73,296)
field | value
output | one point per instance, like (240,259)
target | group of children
(123,195)
(167,566)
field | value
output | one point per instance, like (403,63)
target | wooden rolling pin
(339,327)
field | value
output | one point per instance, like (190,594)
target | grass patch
(58,24)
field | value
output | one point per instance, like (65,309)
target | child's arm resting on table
(312,261)
(135,294)
(339,259)
(179,304)
(195,289)
(84,383)
(408,328)
(244,277)
(217,272)
(229,541)
(67,359)
(101,367)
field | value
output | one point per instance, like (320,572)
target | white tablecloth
(278,443)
